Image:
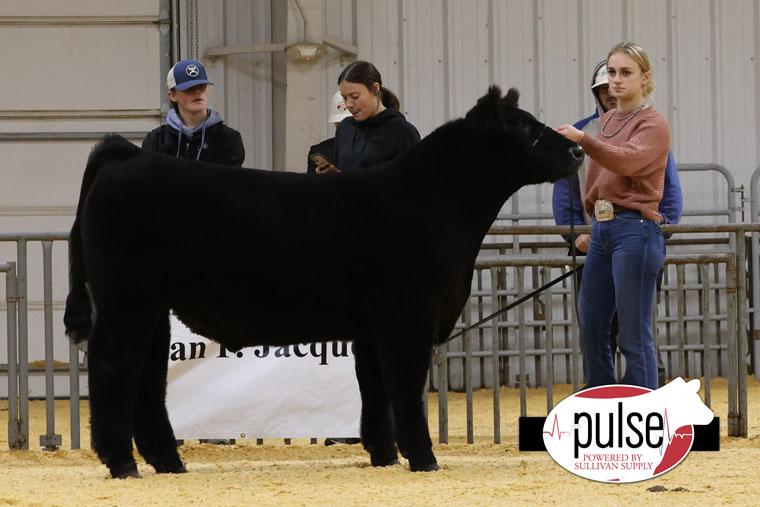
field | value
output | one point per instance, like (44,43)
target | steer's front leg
(377,431)
(404,371)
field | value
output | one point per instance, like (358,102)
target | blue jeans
(624,257)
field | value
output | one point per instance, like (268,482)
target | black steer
(247,257)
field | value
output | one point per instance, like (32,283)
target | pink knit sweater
(628,168)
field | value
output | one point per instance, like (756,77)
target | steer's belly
(242,324)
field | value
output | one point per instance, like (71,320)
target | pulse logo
(622,433)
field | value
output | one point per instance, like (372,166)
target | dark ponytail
(389,98)
(365,73)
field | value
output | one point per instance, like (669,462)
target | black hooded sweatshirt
(383,137)
(211,141)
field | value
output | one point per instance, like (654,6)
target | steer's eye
(536,139)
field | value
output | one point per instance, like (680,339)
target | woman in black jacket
(377,132)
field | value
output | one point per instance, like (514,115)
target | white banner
(299,391)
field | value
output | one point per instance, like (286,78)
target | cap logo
(342,107)
(192,71)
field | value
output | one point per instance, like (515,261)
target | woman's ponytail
(389,98)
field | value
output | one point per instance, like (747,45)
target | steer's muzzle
(578,153)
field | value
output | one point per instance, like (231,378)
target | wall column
(298,90)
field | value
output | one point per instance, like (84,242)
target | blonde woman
(626,248)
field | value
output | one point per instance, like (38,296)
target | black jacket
(222,144)
(359,145)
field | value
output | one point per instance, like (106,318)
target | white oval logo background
(621,433)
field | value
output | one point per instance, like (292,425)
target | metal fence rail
(731,208)
(733,292)
(563,318)
(18,370)
(500,351)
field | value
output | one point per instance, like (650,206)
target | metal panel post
(23,345)
(575,362)
(741,331)
(468,372)
(50,441)
(549,341)
(706,340)
(521,341)
(731,325)
(495,358)
(74,395)
(681,301)
(14,440)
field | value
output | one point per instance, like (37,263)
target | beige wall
(305,94)
(69,68)
(71,71)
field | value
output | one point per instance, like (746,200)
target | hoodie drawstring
(203,141)
(175,122)
(179,143)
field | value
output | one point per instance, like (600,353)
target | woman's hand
(582,241)
(571,133)
(327,168)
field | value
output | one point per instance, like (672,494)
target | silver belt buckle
(603,210)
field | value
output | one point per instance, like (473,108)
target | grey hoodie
(174,121)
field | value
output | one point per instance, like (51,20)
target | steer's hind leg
(117,349)
(405,361)
(378,436)
(150,421)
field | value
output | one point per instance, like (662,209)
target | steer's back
(232,250)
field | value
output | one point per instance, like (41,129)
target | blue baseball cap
(186,74)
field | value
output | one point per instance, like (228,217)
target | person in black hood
(194,130)
(377,132)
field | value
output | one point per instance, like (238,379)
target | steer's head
(536,153)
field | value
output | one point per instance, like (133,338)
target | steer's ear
(511,98)
(487,117)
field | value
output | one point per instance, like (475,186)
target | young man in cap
(670,206)
(194,130)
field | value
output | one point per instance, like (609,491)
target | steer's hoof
(130,473)
(427,467)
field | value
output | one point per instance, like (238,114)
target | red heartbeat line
(556,425)
(667,430)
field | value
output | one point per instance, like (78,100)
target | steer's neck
(461,171)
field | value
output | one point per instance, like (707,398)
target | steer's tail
(78,317)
